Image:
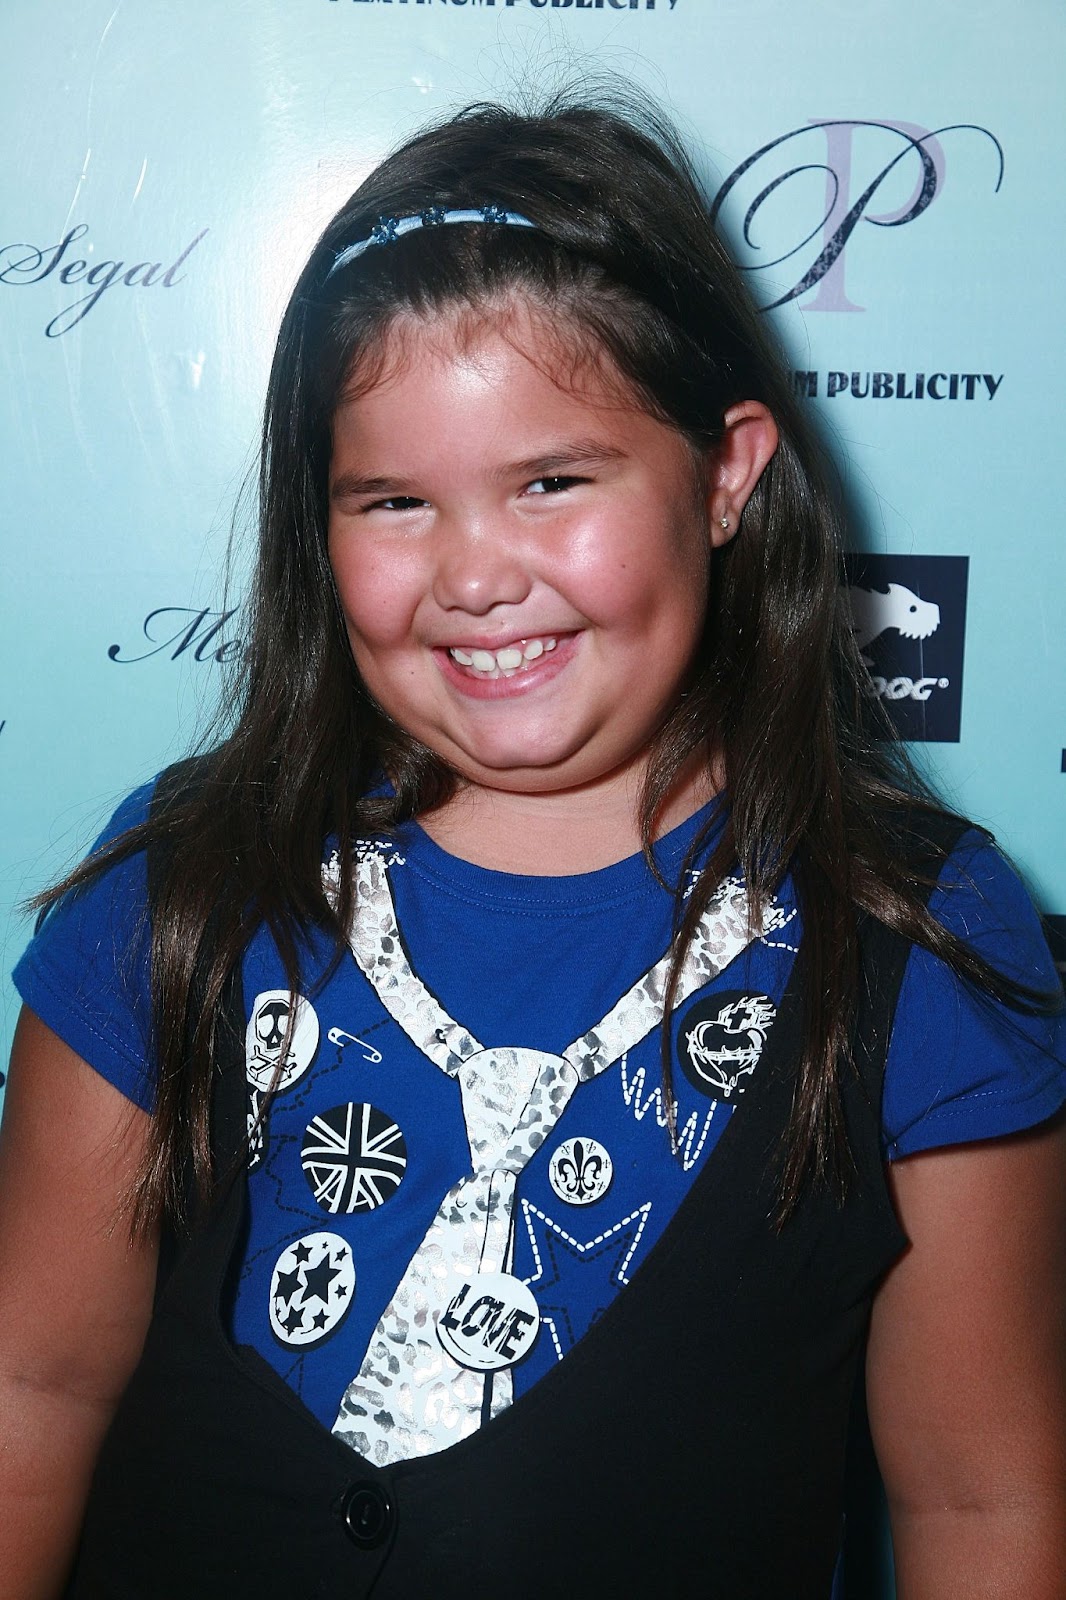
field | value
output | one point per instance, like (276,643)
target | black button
(368,1514)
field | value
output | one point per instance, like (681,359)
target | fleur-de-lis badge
(581,1171)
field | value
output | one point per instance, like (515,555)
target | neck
(560,833)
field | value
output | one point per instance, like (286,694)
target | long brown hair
(624,256)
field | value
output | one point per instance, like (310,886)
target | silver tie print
(411,1397)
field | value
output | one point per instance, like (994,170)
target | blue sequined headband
(386,229)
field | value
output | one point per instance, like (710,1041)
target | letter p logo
(853,155)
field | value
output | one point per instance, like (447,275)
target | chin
(495,761)
(542,772)
(515,779)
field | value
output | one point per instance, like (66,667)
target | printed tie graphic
(438,1362)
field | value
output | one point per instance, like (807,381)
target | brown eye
(552,485)
(396,502)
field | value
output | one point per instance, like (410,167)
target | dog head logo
(908,619)
(873,613)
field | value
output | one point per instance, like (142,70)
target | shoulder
(980,896)
(962,1066)
(85,972)
(129,813)
(116,873)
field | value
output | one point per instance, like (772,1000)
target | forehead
(503,379)
(565,355)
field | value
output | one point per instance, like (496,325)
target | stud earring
(723,523)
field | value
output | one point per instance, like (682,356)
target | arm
(75,1297)
(966,1371)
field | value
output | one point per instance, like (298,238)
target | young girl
(498,1039)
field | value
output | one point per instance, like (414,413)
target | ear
(736,464)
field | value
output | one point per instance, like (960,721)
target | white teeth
(494,663)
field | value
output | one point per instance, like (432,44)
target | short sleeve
(85,972)
(960,1065)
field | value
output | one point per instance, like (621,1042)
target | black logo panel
(908,614)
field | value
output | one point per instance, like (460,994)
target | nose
(479,564)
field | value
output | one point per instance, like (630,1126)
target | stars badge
(312,1289)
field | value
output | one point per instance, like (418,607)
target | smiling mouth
(506,662)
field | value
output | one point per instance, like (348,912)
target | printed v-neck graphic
(411,1394)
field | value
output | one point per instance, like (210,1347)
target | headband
(386,229)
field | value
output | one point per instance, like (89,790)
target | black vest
(691,1444)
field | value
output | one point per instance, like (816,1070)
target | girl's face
(522,563)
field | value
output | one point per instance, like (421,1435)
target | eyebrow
(352,483)
(554,463)
(577,453)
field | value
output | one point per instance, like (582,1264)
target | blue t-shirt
(467,1154)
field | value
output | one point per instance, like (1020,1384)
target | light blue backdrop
(201,147)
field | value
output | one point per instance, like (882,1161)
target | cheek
(635,547)
(658,584)
(378,594)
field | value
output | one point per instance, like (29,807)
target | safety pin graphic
(341,1037)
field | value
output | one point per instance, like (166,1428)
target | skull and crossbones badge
(279,1045)
(269,1026)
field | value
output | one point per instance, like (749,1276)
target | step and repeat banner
(886,177)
